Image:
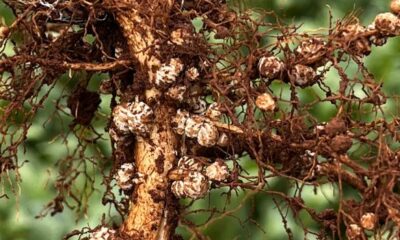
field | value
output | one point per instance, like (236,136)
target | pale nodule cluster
(208,134)
(387,24)
(103,233)
(176,93)
(192,126)
(4,32)
(368,221)
(192,74)
(133,118)
(181,36)
(352,31)
(352,35)
(302,75)
(168,73)
(311,50)
(180,120)
(217,171)
(120,114)
(353,232)
(395,6)
(124,176)
(213,112)
(265,102)
(186,163)
(195,184)
(195,126)
(177,64)
(270,67)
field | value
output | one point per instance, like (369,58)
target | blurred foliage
(43,148)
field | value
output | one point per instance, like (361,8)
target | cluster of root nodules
(246,93)
(270,96)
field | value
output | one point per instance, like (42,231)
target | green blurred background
(43,149)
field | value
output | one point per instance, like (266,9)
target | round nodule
(395,6)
